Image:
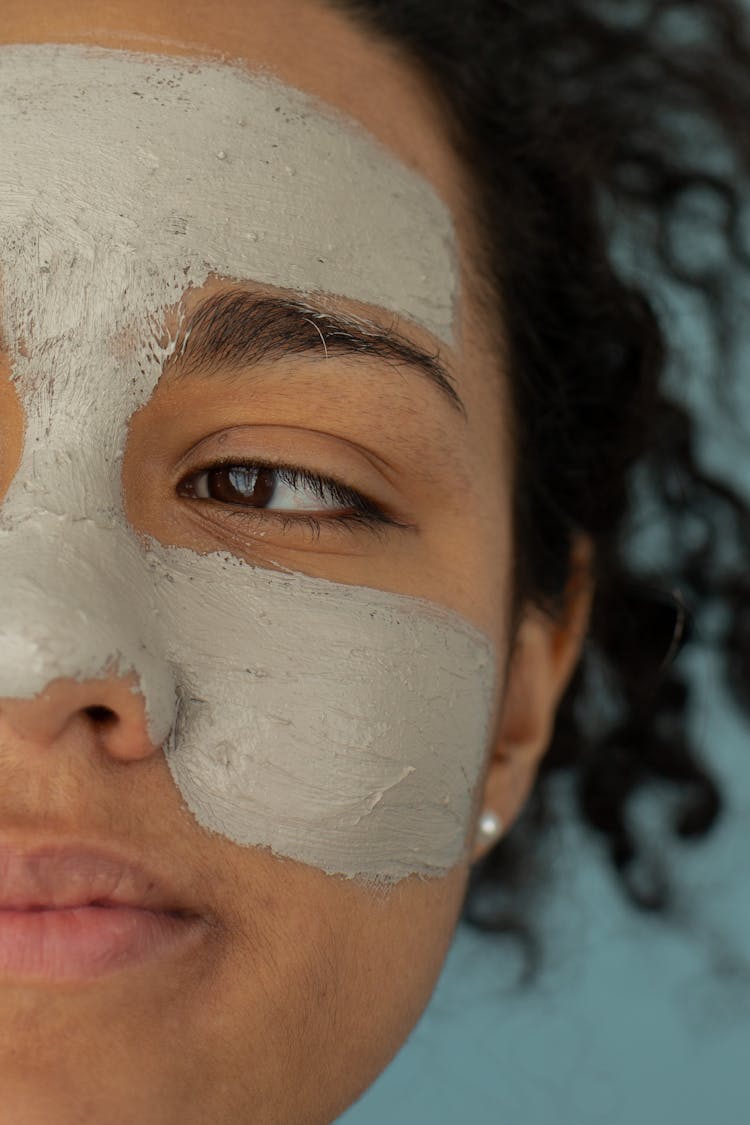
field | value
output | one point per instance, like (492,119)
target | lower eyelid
(332,526)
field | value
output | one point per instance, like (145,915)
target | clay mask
(341,726)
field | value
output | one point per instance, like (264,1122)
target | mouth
(70,912)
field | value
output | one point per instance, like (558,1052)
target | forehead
(202,167)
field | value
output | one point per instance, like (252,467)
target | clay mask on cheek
(341,726)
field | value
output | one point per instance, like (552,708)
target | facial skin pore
(305,728)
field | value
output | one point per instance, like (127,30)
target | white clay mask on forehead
(341,726)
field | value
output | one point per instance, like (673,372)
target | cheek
(395,950)
(325,980)
(12,426)
(345,727)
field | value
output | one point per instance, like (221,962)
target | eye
(251,490)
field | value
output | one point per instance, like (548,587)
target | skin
(307,985)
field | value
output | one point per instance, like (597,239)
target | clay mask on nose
(341,726)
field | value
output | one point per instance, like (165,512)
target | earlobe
(542,663)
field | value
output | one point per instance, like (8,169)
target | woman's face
(303,722)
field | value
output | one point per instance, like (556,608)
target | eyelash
(368,515)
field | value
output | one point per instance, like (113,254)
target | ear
(542,664)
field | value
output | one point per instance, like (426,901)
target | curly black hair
(593,131)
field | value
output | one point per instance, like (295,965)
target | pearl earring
(490,828)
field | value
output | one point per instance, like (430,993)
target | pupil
(242,486)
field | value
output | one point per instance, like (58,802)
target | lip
(72,912)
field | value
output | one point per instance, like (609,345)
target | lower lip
(86,942)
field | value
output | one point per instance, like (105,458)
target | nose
(112,709)
(81,640)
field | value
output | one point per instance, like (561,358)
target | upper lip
(62,875)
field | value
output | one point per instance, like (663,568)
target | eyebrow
(239,328)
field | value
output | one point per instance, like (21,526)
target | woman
(320,402)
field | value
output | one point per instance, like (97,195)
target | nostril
(101,714)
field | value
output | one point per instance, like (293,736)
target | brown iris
(236,485)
